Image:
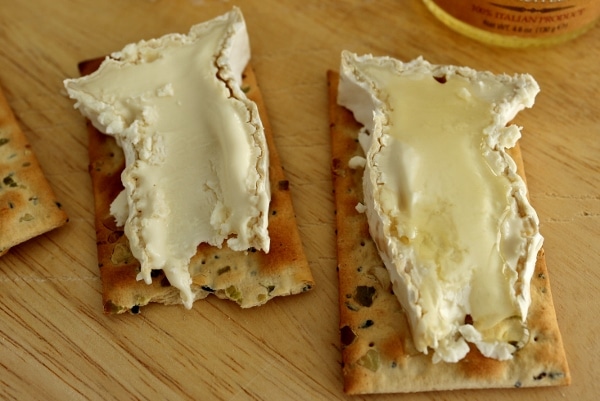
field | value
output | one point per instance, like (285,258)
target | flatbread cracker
(377,349)
(28,207)
(248,278)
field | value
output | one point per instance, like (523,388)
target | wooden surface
(55,342)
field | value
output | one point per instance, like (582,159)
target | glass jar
(517,23)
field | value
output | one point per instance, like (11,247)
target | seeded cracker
(248,278)
(28,207)
(377,350)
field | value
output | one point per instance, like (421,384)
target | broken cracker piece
(28,206)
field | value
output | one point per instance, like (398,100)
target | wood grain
(55,342)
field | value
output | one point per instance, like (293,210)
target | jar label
(524,18)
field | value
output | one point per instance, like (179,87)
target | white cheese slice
(196,154)
(445,205)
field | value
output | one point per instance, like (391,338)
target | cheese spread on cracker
(445,205)
(196,154)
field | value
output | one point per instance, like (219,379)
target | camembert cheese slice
(445,205)
(196,154)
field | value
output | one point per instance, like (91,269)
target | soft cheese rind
(196,155)
(431,227)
